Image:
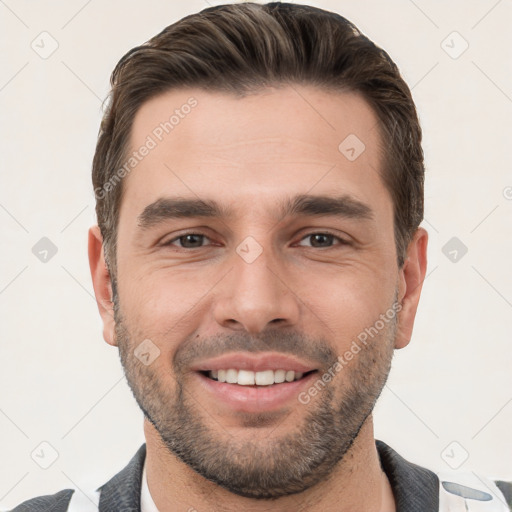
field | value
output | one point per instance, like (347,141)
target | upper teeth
(248,378)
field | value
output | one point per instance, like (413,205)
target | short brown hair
(242,48)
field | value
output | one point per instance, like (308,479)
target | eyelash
(340,240)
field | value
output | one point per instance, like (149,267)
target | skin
(249,154)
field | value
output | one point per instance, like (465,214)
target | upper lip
(254,363)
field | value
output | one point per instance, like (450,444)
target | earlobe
(411,277)
(102,283)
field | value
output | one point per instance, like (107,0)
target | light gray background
(62,384)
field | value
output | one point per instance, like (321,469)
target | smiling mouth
(262,379)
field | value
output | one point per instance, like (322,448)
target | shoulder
(124,487)
(506,489)
(57,502)
(413,484)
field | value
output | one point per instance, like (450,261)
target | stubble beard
(274,465)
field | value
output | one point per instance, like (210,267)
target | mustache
(194,348)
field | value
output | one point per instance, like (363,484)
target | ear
(411,277)
(102,284)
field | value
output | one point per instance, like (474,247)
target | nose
(256,295)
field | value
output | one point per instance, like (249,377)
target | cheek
(348,304)
(164,306)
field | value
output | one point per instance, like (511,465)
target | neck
(357,483)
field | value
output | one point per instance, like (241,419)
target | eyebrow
(166,208)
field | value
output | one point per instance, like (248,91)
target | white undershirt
(146,501)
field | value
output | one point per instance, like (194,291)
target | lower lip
(255,399)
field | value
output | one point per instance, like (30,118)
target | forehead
(249,151)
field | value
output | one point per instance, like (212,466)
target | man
(257,260)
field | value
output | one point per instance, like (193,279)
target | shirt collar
(146,500)
(415,489)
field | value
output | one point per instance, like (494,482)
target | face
(250,239)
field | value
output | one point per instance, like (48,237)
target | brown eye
(188,241)
(321,240)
